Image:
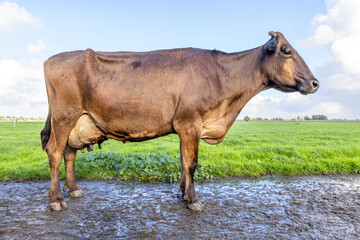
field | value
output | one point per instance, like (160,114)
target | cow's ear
(270,46)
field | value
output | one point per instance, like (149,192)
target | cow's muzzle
(309,86)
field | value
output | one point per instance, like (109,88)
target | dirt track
(316,207)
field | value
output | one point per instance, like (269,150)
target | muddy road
(315,207)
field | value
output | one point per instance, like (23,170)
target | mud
(316,207)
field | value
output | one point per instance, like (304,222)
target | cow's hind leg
(55,150)
(189,144)
(71,183)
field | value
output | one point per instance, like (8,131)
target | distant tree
(246,118)
(319,117)
(307,118)
(278,119)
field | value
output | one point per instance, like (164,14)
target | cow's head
(285,69)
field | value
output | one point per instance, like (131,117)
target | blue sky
(148,25)
(32,31)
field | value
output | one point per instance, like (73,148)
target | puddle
(315,207)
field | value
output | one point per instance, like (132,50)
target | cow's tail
(45,133)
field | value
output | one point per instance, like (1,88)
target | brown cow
(129,96)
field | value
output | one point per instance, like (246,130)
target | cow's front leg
(189,145)
(71,183)
(183,176)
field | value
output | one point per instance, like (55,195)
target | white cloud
(323,34)
(22,89)
(286,106)
(36,48)
(343,81)
(339,30)
(332,109)
(338,33)
(12,16)
(292,105)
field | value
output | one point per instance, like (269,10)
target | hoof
(76,194)
(197,206)
(58,206)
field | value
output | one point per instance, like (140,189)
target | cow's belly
(139,134)
(134,128)
(132,113)
(87,133)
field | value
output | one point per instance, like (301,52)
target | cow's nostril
(315,84)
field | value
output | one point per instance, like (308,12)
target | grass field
(250,149)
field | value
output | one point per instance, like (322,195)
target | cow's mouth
(283,87)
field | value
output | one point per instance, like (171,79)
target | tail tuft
(45,133)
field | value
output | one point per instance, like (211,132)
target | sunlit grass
(250,149)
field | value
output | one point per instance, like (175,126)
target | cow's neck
(241,78)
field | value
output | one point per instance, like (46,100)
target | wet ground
(316,207)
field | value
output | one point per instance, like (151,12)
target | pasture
(250,149)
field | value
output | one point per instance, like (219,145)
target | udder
(85,134)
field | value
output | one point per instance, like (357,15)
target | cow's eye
(286,51)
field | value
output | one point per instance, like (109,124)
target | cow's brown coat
(128,96)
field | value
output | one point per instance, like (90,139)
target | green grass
(250,149)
